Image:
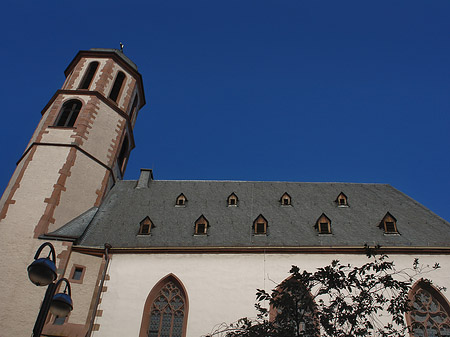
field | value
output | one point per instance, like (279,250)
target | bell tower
(81,145)
(79,149)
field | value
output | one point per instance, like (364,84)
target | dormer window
(260,225)
(232,200)
(342,200)
(285,199)
(146,226)
(201,225)
(389,224)
(323,224)
(181,200)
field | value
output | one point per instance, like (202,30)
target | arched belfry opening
(166,309)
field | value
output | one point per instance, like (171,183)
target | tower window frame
(181,201)
(117,86)
(133,107)
(89,75)
(123,154)
(260,225)
(69,113)
(286,199)
(389,225)
(201,226)
(323,225)
(232,200)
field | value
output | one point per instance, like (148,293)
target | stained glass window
(167,313)
(429,317)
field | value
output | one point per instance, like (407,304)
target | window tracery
(430,315)
(165,311)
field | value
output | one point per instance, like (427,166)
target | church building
(176,258)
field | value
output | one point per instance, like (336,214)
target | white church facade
(160,258)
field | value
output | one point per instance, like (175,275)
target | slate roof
(117,220)
(75,228)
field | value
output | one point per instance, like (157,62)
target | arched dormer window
(232,199)
(123,155)
(117,86)
(323,224)
(342,200)
(145,226)
(285,199)
(201,225)
(389,224)
(260,225)
(430,314)
(181,200)
(89,75)
(165,310)
(69,113)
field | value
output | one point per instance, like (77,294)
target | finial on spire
(121,46)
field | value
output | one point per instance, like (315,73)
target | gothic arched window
(166,309)
(291,293)
(69,113)
(430,315)
(89,75)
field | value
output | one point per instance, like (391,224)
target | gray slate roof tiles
(117,220)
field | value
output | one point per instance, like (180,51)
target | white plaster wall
(11,182)
(82,292)
(102,133)
(36,185)
(220,287)
(85,179)
(59,136)
(39,127)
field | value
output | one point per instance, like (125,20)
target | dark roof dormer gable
(201,226)
(232,199)
(341,200)
(389,224)
(323,224)
(285,199)
(181,200)
(145,226)
(260,225)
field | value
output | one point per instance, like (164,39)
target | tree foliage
(334,301)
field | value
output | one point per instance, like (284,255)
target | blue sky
(345,91)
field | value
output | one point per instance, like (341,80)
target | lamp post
(42,272)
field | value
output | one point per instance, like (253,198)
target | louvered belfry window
(167,313)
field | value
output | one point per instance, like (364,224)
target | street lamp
(42,272)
